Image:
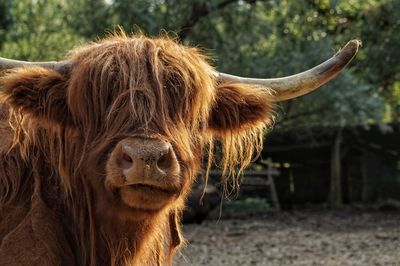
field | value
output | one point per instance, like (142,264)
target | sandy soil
(296,238)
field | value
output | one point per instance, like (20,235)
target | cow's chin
(146,198)
(138,202)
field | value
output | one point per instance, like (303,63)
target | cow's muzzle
(144,163)
(146,158)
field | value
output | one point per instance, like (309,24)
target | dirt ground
(296,238)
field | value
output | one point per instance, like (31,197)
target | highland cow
(98,152)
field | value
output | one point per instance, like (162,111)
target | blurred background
(335,149)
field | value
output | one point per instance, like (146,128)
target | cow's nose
(146,158)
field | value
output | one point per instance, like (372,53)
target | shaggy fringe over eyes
(169,87)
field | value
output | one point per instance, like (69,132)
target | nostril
(126,161)
(165,161)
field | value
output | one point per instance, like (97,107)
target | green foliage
(39,32)
(89,18)
(246,37)
(6,18)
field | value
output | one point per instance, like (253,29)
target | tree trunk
(335,197)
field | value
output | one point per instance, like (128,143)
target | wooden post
(271,182)
(335,197)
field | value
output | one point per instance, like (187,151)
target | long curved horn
(297,85)
(61,67)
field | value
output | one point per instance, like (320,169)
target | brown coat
(58,133)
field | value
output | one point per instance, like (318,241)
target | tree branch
(200,11)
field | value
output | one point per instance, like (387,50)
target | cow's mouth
(145,196)
(153,188)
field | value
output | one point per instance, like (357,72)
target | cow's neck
(134,242)
(115,241)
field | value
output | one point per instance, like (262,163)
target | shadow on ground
(296,238)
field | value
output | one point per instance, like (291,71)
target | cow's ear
(37,92)
(239,107)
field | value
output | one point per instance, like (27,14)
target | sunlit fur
(65,128)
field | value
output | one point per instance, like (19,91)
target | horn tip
(353,45)
(350,49)
(357,42)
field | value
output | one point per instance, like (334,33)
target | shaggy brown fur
(54,207)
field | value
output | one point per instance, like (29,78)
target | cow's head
(129,118)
